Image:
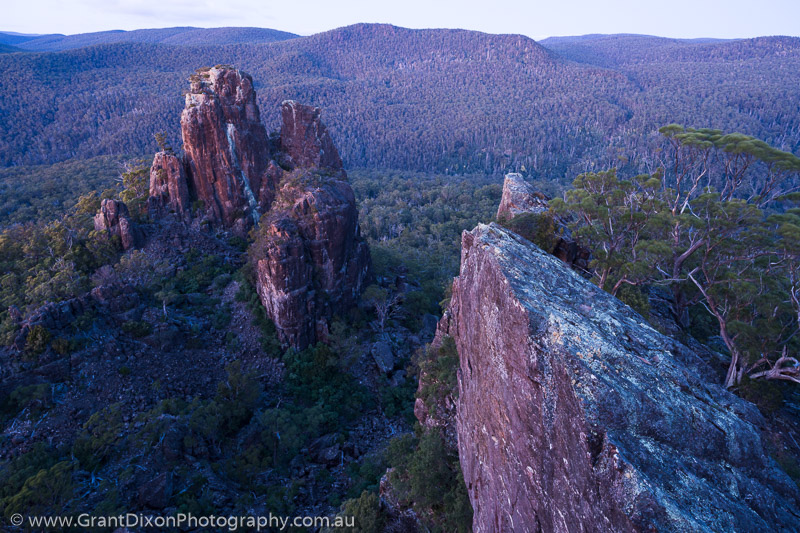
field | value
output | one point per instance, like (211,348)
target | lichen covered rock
(575,415)
(519,197)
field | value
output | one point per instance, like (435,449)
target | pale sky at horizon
(536,19)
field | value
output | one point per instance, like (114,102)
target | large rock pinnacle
(309,257)
(226,147)
(305,139)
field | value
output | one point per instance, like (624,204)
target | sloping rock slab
(575,415)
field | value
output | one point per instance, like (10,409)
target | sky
(535,18)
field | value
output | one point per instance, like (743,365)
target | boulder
(383,355)
(156,492)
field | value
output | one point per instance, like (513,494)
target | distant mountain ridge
(186,36)
(436,100)
(12,38)
(614,51)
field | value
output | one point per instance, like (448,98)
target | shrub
(539,228)
(34,397)
(366,513)
(238,395)
(313,376)
(37,340)
(137,328)
(101,435)
(61,346)
(16,472)
(440,368)
(366,475)
(43,492)
(767,395)
(283,432)
(633,296)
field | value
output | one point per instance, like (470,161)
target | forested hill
(186,36)
(442,100)
(614,51)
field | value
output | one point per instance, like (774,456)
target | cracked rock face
(575,415)
(311,260)
(169,189)
(114,219)
(226,148)
(305,139)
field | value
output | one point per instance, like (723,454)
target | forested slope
(186,36)
(436,100)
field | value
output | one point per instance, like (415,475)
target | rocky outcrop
(114,219)
(226,148)
(305,139)
(311,262)
(169,188)
(575,415)
(309,257)
(58,317)
(230,166)
(520,198)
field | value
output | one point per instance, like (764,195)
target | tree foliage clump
(426,471)
(51,260)
(716,225)
(539,228)
(427,475)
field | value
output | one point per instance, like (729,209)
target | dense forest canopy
(184,36)
(448,101)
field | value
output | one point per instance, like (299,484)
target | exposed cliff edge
(575,415)
(309,257)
